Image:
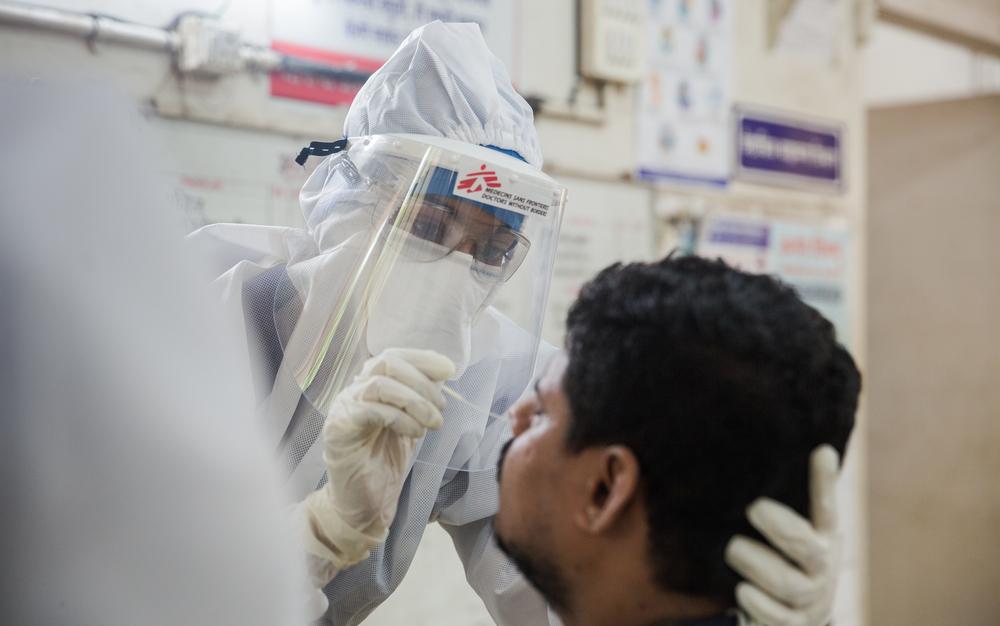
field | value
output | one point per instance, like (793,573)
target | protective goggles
(443,225)
(445,196)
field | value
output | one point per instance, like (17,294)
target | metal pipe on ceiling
(95,28)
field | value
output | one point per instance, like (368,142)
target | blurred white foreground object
(136,489)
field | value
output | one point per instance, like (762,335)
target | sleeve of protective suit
(433,491)
(357,590)
(509,598)
(369,438)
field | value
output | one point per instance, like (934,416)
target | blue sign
(786,151)
(739,233)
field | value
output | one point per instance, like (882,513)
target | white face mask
(430,306)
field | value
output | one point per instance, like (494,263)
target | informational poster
(591,238)
(740,242)
(815,260)
(362,34)
(684,112)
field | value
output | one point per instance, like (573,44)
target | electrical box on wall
(206,48)
(612,35)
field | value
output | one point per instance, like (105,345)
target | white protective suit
(280,281)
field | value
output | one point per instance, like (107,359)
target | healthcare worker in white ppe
(386,365)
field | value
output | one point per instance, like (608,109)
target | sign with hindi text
(784,150)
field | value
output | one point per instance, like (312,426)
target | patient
(689,390)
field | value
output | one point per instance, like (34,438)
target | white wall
(904,66)
(975,20)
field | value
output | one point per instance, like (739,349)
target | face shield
(417,236)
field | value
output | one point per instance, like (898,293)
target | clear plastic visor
(417,240)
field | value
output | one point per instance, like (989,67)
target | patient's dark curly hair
(722,383)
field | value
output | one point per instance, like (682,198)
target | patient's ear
(611,487)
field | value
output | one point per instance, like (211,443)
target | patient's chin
(541,572)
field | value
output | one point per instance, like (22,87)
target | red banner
(313,89)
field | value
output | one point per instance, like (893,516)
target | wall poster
(684,114)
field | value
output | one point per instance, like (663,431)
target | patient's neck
(622,594)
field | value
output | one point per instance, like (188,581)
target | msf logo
(474,181)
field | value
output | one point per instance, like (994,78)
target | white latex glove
(369,438)
(779,593)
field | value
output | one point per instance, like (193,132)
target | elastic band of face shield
(320,149)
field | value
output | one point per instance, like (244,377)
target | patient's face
(537,488)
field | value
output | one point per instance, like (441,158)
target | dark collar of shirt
(721,620)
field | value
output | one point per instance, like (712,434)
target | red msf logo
(474,181)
